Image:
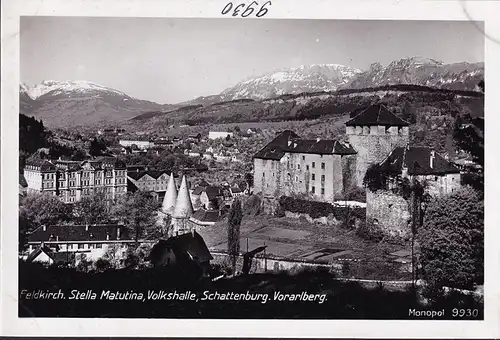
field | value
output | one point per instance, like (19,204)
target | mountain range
(83,103)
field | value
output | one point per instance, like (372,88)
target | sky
(173,60)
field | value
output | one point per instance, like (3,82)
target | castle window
(303,158)
(81,246)
(313,165)
(322,178)
(313,177)
(298,166)
(435,178)
(307,167)
(322,191)
(323,166)
(313,189)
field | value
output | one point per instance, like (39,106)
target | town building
(149,180)
(318,168)
(73,180)
(388,209)
(50,244)
(188,250)
(141,144)
(219,135)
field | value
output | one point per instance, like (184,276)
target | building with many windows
(73,243)
(73,180)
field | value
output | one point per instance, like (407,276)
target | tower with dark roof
(374,132)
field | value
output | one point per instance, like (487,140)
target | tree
(233,232)
(91,209)
(44,209)
(138,212)
(97,147)
(452,240)
(375,178)
(468,135)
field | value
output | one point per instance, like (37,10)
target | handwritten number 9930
(245,10)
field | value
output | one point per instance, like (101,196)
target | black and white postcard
(259,168)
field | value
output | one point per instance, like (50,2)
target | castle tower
(374,132)
(168,205)
(183,208)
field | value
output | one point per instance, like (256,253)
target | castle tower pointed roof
(170,199)
(183,206)
(377,114)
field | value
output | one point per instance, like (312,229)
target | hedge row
(317,209)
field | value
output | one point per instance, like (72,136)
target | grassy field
(298,238)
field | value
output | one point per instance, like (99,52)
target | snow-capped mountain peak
(310,78)
(67,87)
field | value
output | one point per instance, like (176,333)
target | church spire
(183,206)
(170,199)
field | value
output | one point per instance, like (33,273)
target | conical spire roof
(183,206)
(168,205)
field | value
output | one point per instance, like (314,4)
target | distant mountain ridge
(77,103)
(420,71)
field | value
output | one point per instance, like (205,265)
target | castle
(327,169)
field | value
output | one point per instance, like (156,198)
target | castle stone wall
(390,212)
(373,146)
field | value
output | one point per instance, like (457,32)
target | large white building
(219,134)
(141,144)
(73,180)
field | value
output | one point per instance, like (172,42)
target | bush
(452,240)
(317,209)
(371,231)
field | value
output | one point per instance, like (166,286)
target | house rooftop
(289,141)
(377,114)
(418,161)
(191,244)
(75,233)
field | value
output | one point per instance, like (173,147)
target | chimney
(432,159)
(107,236)
(289,142)
(118,229)
(192,231)
(57,238)
(44,227)
(86,227)
(318,139)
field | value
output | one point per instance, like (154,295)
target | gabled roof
(376,114)
(213,192)
(69,233)
(289,141)
(274,149)
(34,254)
(189,245)
(418,162)
(42,164)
